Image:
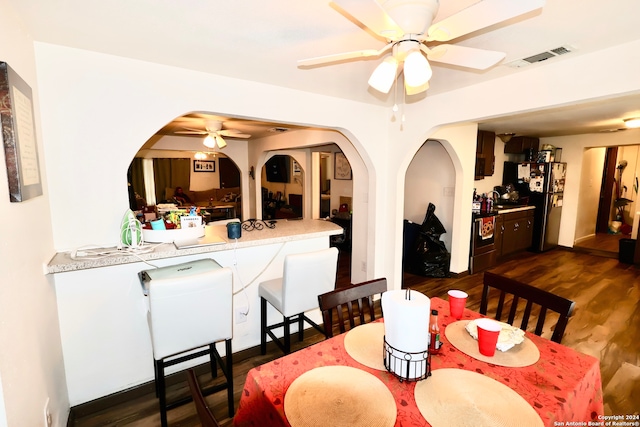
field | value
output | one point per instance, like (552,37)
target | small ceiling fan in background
(414,40)
(215,133)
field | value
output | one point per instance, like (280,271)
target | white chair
(190,308)
(305,276)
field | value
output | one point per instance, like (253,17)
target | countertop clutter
(284,231)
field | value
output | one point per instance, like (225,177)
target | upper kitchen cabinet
(522,144)
(485,159)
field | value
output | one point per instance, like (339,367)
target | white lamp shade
(417,71)
(632,123)
(221,142)
(209,141)
(412,90)
(384,75)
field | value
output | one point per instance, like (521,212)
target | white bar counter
(284,231)
(103,312)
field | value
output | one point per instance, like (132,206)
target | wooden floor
(602,244)
(606,324)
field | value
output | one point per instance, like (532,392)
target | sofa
(213,197)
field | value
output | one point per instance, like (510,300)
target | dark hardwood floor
(602,244)
(605,324)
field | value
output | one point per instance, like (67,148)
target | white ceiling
(262,40)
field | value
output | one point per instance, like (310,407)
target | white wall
(31,368)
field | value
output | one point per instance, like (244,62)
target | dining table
(559,386)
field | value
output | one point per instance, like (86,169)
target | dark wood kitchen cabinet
(520,144)
(499,232)
(516,232)
(485,158)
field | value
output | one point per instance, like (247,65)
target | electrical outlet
(363,266)
(241,314)
(48,418)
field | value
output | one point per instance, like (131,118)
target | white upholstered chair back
(190,312)
(306,276)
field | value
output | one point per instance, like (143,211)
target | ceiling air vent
(542,56)
(278,130)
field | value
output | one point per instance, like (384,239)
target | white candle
(406,325)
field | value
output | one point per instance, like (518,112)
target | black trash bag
(429,256)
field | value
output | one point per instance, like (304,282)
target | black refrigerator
(543,184)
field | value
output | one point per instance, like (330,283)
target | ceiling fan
(213,130)
(414,40)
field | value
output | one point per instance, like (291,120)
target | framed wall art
(341,167)
(19,136)
(204,165)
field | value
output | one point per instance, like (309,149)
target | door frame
(606,190)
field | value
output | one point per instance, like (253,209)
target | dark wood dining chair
(361,294)
(532,295)
(204,413)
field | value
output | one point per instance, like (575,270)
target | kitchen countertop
(284,231)
(503,210)
(509,209)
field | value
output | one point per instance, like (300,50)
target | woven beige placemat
(365,344)
(521,355)
(339,396)
(455,397)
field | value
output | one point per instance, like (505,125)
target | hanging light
(221,142)
(212,140)
(632,123)
(384,75)
(417,72)
(209,141)
(412,90)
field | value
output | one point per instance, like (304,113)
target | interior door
(606,190)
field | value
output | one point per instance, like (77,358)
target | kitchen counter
(503,209)
(102,311)
(515,208)
(284,231)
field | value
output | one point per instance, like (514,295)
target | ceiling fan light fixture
(417,70)
(209,141)
(506,137)
(384,75)
(632,123)
(413,90)
(221,142)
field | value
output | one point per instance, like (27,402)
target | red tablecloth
(563,386)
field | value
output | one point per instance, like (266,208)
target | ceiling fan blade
(480,15)
(321,60)
(463,56)
(372,16)
(230,133)
(190,132)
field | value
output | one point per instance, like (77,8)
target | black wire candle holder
(407,366)
(257,224)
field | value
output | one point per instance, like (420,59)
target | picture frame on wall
(204,165)
(341,167)
(19,136)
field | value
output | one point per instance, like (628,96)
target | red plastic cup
(488,332)
(457,301)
